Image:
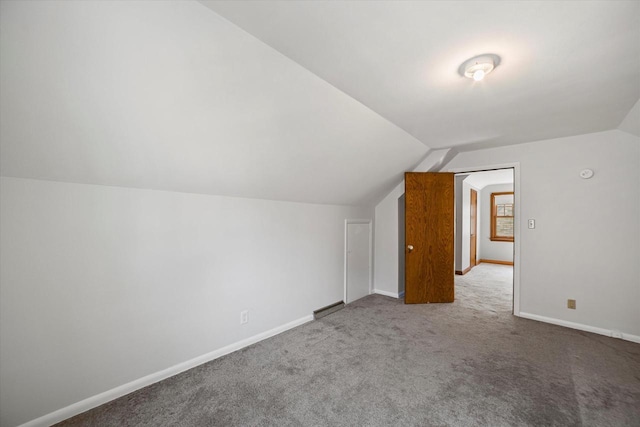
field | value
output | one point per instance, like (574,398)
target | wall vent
(325,311)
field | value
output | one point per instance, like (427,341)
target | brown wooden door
(473,213)
(429,237)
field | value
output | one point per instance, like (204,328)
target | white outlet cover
(586,173)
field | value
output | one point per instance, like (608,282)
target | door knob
(410,247)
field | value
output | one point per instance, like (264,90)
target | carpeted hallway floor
(379,362)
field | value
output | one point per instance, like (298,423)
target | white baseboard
(582,327)
(388,294)
(109,395)
(632,338)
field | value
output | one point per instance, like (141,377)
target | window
(502,217)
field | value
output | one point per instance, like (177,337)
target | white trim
(346,224)
(632,338)
(344,276)
(579,326)
(114,393)
(388,294)
(517,236)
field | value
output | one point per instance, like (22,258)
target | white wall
(386,244)
(497,251)
(459,218)
(631,122)
(463,223)
(402,261)
(168,95)
(586,243)
(103,285)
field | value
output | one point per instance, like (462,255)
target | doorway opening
(423,196)
(485,236)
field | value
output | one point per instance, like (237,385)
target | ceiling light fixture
(479,66)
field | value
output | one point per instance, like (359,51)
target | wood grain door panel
(429,230)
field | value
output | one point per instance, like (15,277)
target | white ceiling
(631,123)
(479,180)
(568,67)
(321,102)
(170,96)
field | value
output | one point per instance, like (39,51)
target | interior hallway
(488,287)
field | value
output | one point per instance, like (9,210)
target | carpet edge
(122,390)
(580,327)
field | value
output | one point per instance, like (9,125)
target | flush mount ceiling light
(479,66)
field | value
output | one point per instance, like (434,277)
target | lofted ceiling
(631,123)
(479,180)
(170,96)
(307,101)
(568,67)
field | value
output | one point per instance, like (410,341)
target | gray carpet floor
(379,362)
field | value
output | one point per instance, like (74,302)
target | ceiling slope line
(203,3)
(399,60)
(631,122)
(433,161)
(188,102)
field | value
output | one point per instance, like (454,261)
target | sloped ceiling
(171,96)
(322,102)
(631,123)
(568,67)
(480,180)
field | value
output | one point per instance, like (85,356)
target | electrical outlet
(571,303)
(244,317)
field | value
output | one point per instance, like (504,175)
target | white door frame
(516,232)
(346,225)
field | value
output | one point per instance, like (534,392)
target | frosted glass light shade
(478,67)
